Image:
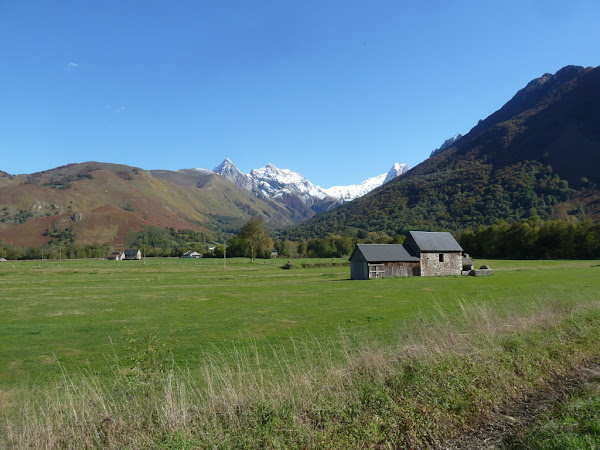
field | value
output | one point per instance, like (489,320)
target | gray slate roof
(384,253)
(428,241)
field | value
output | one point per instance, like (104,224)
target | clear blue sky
(336,90)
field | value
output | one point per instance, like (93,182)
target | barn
(422,254)
(439,252)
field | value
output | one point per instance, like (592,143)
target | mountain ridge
(541,161)
(273,182)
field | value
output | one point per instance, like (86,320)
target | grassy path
(546,418)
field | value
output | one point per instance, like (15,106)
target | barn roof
(384,253)
(428,241)
(131,251)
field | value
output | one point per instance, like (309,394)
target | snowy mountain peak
(396,170)
(229,171)
(348,193)
(273,182)
(227,164)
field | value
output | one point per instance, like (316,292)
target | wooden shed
(382,260)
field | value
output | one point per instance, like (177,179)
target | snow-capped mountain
(229,171)
(348,193)
(275,183)
(396,170)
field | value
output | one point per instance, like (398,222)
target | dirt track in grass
(503,428)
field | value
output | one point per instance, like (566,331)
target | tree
(253,235)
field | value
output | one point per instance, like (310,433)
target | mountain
(353,191)
(105,203)
(538,155)
(396,170)
(447,144)
(287,186)
(230,172)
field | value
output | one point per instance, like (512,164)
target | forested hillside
(543,161)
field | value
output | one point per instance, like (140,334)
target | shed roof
(435,241)
(384,253)
(131,251)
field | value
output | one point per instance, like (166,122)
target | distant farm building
(132,253)
(116,256)
(422,254)
(191,254)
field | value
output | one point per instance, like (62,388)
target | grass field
(95,317)
(79,313)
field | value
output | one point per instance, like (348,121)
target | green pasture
(75,315)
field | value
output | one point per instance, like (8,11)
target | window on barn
(376,271)
(441,257)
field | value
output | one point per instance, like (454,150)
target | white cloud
(71,66)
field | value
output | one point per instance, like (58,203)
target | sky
(336,90)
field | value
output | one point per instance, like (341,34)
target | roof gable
(434,241)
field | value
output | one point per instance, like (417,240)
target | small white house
(191,254)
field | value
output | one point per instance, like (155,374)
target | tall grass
(441,373)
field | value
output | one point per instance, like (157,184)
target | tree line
(530,238)
(534,239)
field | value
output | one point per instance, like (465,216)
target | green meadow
(175,353)
(73,315)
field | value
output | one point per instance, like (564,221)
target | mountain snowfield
(348,193)
(274,182)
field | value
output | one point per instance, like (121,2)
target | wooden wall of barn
(359,270)
(402,269)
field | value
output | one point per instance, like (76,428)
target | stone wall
(431,266)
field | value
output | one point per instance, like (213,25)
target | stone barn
(438,252)
(422,254)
